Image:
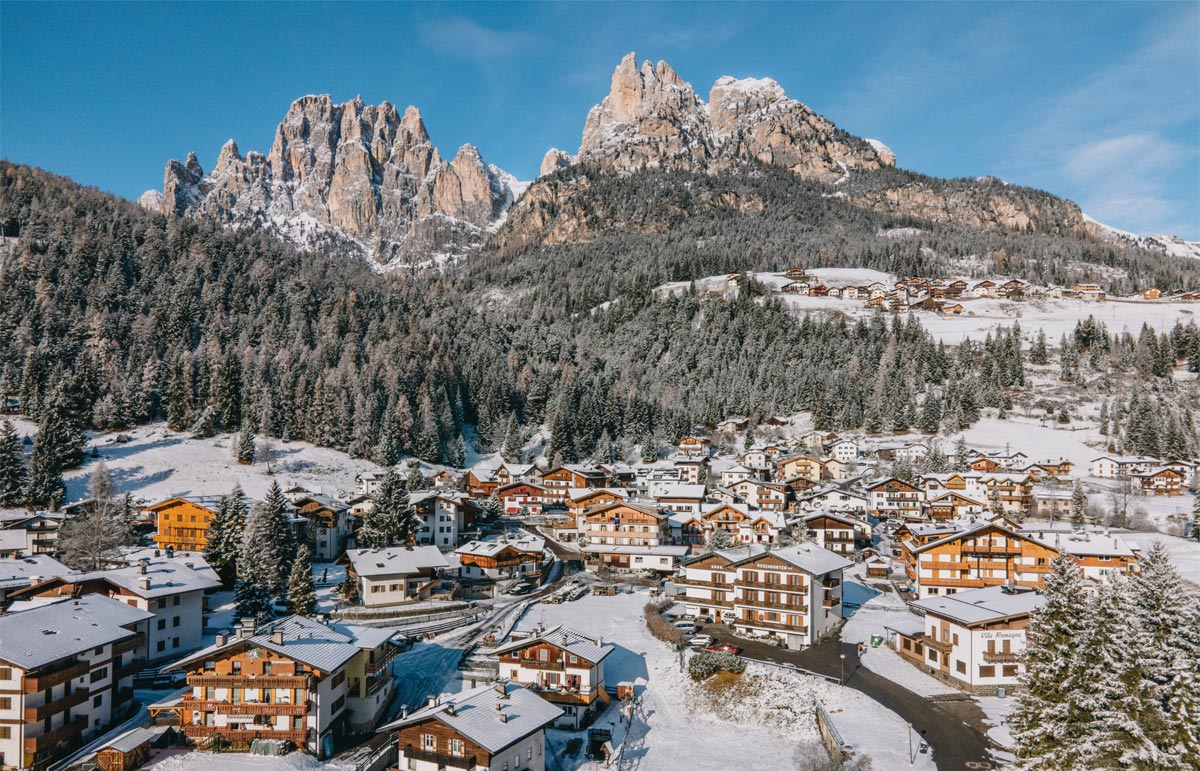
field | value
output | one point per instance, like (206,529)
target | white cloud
(457,36)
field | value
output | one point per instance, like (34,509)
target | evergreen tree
(274,514)
(12,467)
(245,445)
(961,455)
(258,565)
(1037,352)
(381,525)
(226,534)
(995,501)
(935,461)
(650,450)
(1043,723)
(302,593)
(58,446)
(720,538)
(801,532)
(1079,503)
(1169,652)
(414,481)
(1196,514)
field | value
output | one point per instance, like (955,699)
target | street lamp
(910,755)
(842,669)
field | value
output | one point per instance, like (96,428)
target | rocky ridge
(355,177)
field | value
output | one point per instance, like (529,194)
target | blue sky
(1096,102)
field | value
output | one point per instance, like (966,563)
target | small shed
(625,690)
(132,749)
(878,567)
(606,589)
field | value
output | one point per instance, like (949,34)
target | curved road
(956,745)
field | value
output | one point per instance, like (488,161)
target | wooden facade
(183,523)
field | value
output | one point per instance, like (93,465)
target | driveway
(957,746)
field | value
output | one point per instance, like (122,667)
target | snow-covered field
(766,714)
(236,761)
(158,463)
(1185,553)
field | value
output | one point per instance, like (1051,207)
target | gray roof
(321,646)
(526,543)
(586,648)
(38,636)
(979,605)
(807,556)
(166,576)
(666,550)
(395,560)
(130,741)
(474,715)
(21,571)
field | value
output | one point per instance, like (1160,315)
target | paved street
(957,746)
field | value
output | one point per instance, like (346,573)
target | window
(1010,670)
(99,674)
(338,679)
(161,646)
(5,673)
(5,732)
(174,642)
(210,666)
(98,651)
(175,621)
(175,600)
(162,603)
(428,742)
(987,671)
(98,701)
(457,747)
(162,624)
(338,704)
(961,666)
(5,702)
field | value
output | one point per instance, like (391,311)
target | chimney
(503,717)
(432,701)
(188,564)
(157,553)
(277,636)
(170,551)
(142,568)
(404,712)
(222,639)
(144,583)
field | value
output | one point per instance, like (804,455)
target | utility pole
(910,752)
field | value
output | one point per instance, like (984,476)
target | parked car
(520,588)
(701,641)
(723,648)
(687,627)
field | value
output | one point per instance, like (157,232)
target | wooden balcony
(195,732)
(50,679)
(704,584)
(972,583)
(130,669)
(35,714)
(990,548)
(941,645)
(708,601)
(63,733)
(124,646)
(250,681)
(246,708)
(831,602)
(1001,657)
(831,583)
(535,664)
(442,761)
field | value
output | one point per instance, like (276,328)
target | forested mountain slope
(126,315)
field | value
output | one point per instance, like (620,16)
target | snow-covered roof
(1084,543)
(163,578)
(490,548)
(977,606)
(322,646)
(807,556)
(493,716)
(395,560)
(681,491)
(25,570)
(38,636)
(587,648)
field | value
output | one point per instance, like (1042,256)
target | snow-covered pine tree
(12,467)
(1196,514)
(961,453)
(801,532)
(226,534)
(415,480)
(258,566)
(1109,694)
(935,460)
(275,515)
(995,501)
(1042,726)
(1079,503)
(245,445)
(58,446)
(302,594)
(381,525)
(650,450)
(1037,352)
(1169,653)
(719,538)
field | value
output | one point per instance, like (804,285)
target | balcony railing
(250,681)
(34,714)
(704,584)
(942,645)
(798,588)
(773,604)
(535,664)
(50,738)
(194,732)
(771,625)
(447,761)
(831,602)
(983,548)
(246,708)
(125,646)
(708,601)
(51,679)
(1001,657)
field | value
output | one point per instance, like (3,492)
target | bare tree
(93,538)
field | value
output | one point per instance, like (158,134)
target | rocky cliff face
(358,177)
(652,119)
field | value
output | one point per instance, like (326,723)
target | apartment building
(395,575)
(500,558)
(183,521)
(66,668)
(793,593)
